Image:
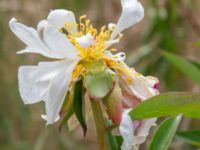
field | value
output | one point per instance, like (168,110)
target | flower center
(90,42)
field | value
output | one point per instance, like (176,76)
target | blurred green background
(169,25)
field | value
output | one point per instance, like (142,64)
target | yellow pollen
(96,50)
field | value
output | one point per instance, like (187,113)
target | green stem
(100,124)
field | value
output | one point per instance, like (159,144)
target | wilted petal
(34,80)
(140,86)
(58,17)
(132,12)
(143,131)
(30,37)
(57,91)
(126,130)
(153,84)
(129,99)
(59,43)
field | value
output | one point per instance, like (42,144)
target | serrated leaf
(99,85)
(79,105)
(191,137)
(185,66)
(165,133)
(166,104)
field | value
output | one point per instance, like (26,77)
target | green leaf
(166,104)
(100,84)
(191,137)
(67,109)
(195,63)
(66,118)
(79,105)
(197,43)
(183,65)
(111,139)
(119,140)
(165,134)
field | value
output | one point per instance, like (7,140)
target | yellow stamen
(97,50)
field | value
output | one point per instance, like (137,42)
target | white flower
(49,81)
(135,133)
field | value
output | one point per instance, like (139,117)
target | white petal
(140,86)
(59,43)
(59,17)
(43,24)
(121,56)
(30,37)
(86,40)
(57,91)
(111,42)
(34,80)
(126,130)
(143,131)
(153,83)
(132,12)
(45,118)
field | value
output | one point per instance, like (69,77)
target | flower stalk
(100,124)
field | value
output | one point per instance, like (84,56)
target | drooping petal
(57,91)
(126,130)
(132,12)
(134,133)
(30,37)
(153,84)
(140,86)
(58,17)
(59,43)
(34,80)
(129,100)
(143,131)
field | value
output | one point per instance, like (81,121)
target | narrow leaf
(185,66)
(191,137)
(165,134)
(119,140)
(79,105)
(111,139)
(67,109)
(166,104)
(195,63)
(66,118)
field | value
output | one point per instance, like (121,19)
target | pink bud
(114,105)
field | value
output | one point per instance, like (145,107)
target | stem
(100,124)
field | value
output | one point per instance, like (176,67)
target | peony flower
(82,53)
